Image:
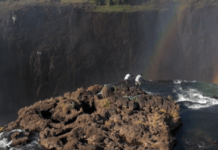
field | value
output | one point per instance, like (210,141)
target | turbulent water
(199,111)
(5,141)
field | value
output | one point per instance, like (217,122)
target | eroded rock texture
(123,119)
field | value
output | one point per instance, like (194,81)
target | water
(5,141)
(198,111)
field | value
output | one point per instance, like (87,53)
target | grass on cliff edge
(123,8)
(8,5)
(149,6)
(154,6)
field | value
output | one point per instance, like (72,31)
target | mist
(47,50)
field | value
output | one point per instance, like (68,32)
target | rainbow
(215,78)
(165,37)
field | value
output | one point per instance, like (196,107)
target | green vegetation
(70,1)
(174,115)
(162,111)
(132,97)
(123,8)
(107,6)
(115,89)
(136,100)
(169,97)
(73,104)
(1,129)
(107,104)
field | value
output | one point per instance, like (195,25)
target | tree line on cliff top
(123,2)
(141,2)
(115,2)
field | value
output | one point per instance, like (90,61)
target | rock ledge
(120,118)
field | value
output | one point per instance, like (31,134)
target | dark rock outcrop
(125,118)
(215,97)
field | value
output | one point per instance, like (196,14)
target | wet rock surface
(124,118)
(18,138)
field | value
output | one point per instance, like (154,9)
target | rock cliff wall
(48,50)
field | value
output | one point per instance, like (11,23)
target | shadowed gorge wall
(48,50)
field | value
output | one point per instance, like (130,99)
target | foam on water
(177,81)
(29,146)
(149,92)
(196,98)
(16,130)
(4,142)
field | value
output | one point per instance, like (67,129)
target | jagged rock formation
(126,118)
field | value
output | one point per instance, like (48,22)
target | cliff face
(194,57)
(48,50)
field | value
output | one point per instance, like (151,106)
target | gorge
(47,50)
